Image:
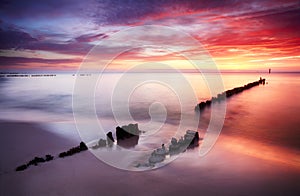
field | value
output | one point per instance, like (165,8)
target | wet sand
(221,172)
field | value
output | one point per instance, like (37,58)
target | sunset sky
(239,35)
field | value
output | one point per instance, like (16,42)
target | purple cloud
(18,9)
(17,61)
(90,37)
(10,39)
(107,12)
(19,40)
(66,27)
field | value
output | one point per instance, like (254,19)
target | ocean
(262,121)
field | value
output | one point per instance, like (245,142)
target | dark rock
(83,146)
(35,161)
(62,154)
(127,131)
(202,105)
(120,133)
(110,138)
(192,138)
(21,167)
(128,135)
(129,142)
(208,102)
(222,96)
(49,157)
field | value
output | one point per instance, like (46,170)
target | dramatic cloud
(236,33)
(11,39)
(19,40)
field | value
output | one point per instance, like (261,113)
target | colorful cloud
(240,35)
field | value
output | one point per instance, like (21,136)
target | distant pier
(24,75)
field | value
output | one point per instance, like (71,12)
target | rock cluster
(127,136)
(127,131)
(228,94)
(158,155)
(35,162)
(189,140)
(82,147)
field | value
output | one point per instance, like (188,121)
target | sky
(238,35)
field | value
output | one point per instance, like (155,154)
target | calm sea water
(264,118)
(257,153)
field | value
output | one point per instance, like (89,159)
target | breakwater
(229,93)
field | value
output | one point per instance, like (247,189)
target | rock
(110,138)
(82,146)
(161,151)
(145,165)
(202,105)
(62,154)
(129,142)
(156,159)
(127,131)
(128,135)
(191,138)
(208,102)
(173,141)
(221,96)
(181,141)
(214,99)
(174,147)
(21,167)
(120,133)
(102,143)
(228,93)
(158,155)
(35,161)
(132,129)
(49,157)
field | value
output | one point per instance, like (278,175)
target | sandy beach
(221,172)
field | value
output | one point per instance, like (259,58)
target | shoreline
(220,171)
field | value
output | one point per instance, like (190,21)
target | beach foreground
(222,171)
